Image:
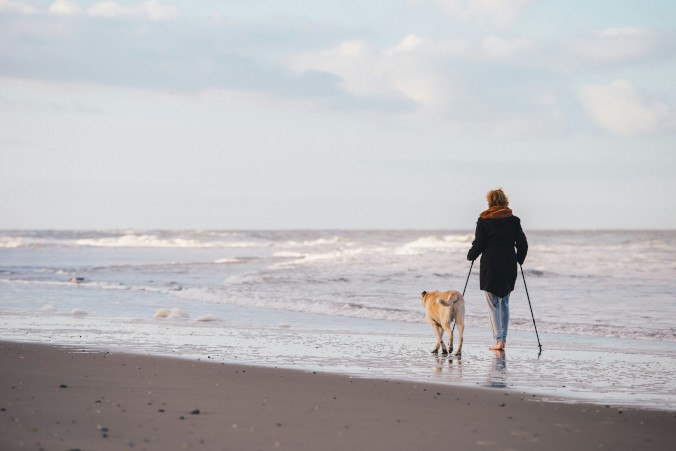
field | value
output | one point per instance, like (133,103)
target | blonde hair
(497,197)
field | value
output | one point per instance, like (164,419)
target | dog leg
(438,331)
(461,330)
(447,328)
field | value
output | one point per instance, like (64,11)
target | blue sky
(311,114)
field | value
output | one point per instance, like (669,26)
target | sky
(310,114)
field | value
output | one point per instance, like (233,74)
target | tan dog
(442,309)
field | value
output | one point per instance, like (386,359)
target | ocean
(604,303)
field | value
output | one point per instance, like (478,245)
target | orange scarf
(499,211)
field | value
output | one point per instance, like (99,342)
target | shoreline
(57,397)
(575,368)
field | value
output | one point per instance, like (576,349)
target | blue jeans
(498,311)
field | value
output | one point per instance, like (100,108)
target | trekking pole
(463,290)
(531,310)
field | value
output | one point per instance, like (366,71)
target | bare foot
(499,346)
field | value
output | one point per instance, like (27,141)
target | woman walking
(498,232)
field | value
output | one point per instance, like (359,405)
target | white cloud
(501,13)
(615,44)
(547,100)
(611,45)
(498,48)
(416,69)
(18,7)
(620,108)
(513,126)
(66,8)
(150,10)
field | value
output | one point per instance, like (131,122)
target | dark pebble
(502,405)
(279,425)
(104,435)
(160,410)
(3,410)
(63,386)
(181,418)
(195,412)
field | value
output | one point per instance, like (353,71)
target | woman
(498,232)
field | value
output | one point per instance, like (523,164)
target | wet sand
(73,398)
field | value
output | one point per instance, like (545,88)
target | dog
(442,309)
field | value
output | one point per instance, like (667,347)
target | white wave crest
(227,260)
(171,313)
(209,317)
(434,243)
(10,243)
(335,256)
(132,240)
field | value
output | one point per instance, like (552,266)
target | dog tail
(453,299)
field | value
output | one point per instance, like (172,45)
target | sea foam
(171,313)
(209,317)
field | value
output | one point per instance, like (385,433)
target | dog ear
(424,293)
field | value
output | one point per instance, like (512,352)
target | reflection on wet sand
(497,376)
(452,363)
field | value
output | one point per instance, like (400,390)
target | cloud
(466,87)
(66,8)
(17,7)
(149,10)
(500,13)
(417,69)
(611,46)
(498,48)
(620,108)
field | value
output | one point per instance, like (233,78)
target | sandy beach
(77,398)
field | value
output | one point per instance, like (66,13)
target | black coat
(495,240)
